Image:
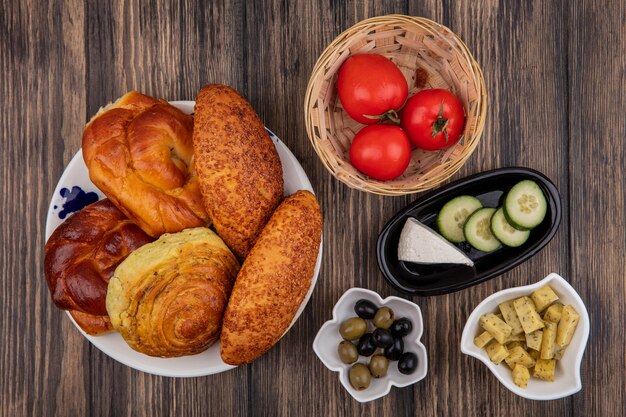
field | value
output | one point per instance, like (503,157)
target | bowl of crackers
(532,338)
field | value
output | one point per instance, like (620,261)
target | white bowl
(328,338)
(567,377)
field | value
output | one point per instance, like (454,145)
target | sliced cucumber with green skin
(454,214)
(525,205)
(506,233)
(477,230)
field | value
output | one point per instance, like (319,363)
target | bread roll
(167,299)
(139,153)
(240,173)
(81,255)
(273,280)
(93,325)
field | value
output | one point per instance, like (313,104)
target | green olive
(347,352)
(384,318)
(353,328)
(378,366)
(360,376)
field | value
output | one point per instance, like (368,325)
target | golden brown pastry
(273,280)
(93,325)
(139,153)
(167,299)
(81,256)
(240,173)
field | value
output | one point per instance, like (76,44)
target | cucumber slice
(477,230)
(454,214)
(525,205)
(506,233)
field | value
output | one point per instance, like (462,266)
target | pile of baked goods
(195,241)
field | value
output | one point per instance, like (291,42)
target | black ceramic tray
(489,187)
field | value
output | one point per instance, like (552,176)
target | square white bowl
(328,338)
(567,375)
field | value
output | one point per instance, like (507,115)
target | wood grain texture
(597,126)
(555,77)
(44,364)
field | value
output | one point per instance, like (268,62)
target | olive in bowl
(360,376)
(353,328)
(366,346)
(384,317)
(365,309)
(401,327)
(328,338)
(378,366)
(382,338)
(347,352)
(407,363)
(395,350)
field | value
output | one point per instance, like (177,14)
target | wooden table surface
(555,76)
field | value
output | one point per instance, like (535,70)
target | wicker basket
(422,49)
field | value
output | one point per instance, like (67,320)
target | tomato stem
(393,116)
(440,124)
(390,115)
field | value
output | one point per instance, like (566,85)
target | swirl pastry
(240,173)
(273,280)
(167,298)
(81,256)
(139,153)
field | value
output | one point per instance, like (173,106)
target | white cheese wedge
(422,245)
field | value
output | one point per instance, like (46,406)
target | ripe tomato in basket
(381,151)
(371,88)
(433,119)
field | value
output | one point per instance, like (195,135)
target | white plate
(328,338)
(208,362)
(567,376)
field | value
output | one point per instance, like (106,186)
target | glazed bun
(81,255)
(93,325)
(139,152)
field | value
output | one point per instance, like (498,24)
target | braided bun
(139,153)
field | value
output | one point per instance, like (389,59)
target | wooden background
(555,75)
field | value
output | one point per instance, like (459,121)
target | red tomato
(381,151)
(371,85)
(433,119)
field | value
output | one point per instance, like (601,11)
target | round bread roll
(139,152)
(81,256)
(167,299)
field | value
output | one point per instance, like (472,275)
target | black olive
(407,363)
(401,327)
(366,346)
(382,338)
(395,350)
(365,309)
